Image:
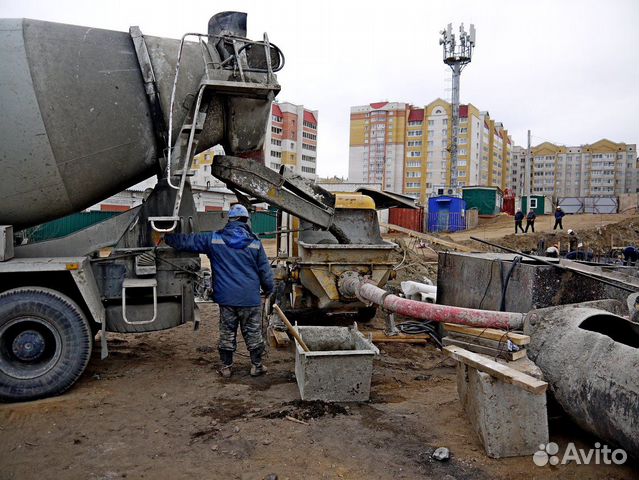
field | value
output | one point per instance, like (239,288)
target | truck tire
(45,343)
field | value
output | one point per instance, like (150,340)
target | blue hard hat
(238,210)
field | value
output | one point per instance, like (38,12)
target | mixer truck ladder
(210,89)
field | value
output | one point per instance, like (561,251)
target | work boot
(257,370)
(225,371)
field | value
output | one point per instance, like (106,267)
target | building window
(308,169)
(309,125)
(275,141)
(307,158)
(276,118)
(414,133)
(415,154)
(306,146)
(276,130)
(276,154)
(415,123)
(310,136)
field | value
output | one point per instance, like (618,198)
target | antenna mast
(457,54)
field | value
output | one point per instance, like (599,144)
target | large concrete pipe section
(76,125)
(590,359)
(369,293)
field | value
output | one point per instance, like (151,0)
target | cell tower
(457,54)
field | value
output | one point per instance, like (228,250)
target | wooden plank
(492,333)
(278,338)
(416,341)
(425,236)
(497,370)
(381,336)
(475,340)
(492,352)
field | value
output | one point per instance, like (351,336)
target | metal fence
(472,218)
(65,226)
(446,222)
(453,222)
(597,205)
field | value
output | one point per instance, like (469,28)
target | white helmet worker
(552,252)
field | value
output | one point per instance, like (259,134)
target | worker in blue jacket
(559,215)
(630,255)
(240,268)
(519,217)
(530,220)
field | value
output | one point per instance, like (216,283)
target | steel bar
(556,265)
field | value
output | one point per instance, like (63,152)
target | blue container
(446,214)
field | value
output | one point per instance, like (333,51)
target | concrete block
(339,366)
(509,420)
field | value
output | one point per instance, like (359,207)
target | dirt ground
(603,235)
(156,408)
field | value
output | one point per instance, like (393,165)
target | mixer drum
(76,124)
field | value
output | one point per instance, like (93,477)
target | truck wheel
(45,343)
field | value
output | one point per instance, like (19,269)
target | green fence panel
(263,222)
(66,225)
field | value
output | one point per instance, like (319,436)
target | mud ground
(504,225)
(156,409)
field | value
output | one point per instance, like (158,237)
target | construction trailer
(487,200)
(446,214)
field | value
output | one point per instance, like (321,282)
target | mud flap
(104,350)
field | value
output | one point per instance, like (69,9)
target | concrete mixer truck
(87,113)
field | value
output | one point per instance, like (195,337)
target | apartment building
(291,139)
(377,139)
(407,149)
(517,173)
(604,168)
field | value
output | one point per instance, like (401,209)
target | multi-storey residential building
(603,168)
(407,149)
(291,139)
(378,133)
(517,174)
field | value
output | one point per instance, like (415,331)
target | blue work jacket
(238,261)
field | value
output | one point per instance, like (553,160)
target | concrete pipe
(590,358)
(369,293)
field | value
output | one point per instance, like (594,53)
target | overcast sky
(566,69)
